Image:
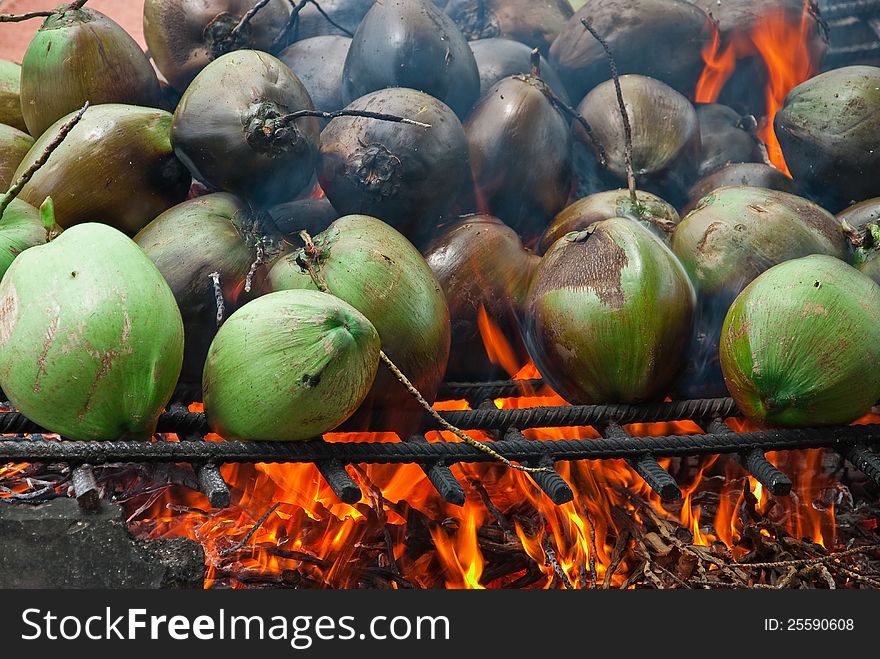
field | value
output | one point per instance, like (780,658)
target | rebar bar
(865,460)
(212,485)
(85,487)
(339,481)
(850,9)
(443,480)
(181,421)
(757,464)
(488,390)
(550,482)
(25,450)
(647,467)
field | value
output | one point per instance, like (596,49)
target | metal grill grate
(853,442)
(853,32)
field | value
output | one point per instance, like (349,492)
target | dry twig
(18,18)
(218,297)
(627,127)
(239,545)
(22,181)
(247,18)
(364,114)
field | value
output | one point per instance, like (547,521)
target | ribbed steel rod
(756,463)
(586,415)
(850,9)
(441,477)
(865,460)
(647,467)
(338,479)
(551,482)
(405,452)
(188,392)
(85,487)
(488,390)
(181,421)
(213,486)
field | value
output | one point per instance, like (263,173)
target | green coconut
(651,211)
(733,235)
(91,341)
(800,346)
(288,366)
(116,167)
(10,95)
(81,55)
(609,315)
(381,274)
(737,232)
(190,242)
(14,146)
(827,128)
(22,227)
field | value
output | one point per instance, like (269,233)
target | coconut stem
(288,34)
(261,258)
(312,255)
(627,127)
(535,62)
(22,181)
(18,18)
(852,234)
(327,18)
(566,109)
(247,18)
(381,116)
(218,297)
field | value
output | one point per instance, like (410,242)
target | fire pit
(378,512)
(697,489)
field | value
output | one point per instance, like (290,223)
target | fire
(403,532)
(720,64)
(783,45)
(460,554)
(497,346)
(285,523)
(789,62)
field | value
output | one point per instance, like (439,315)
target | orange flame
(497,346)
(789,63)
(720,64)
(783,45)
(316,539)
(328,543)
(460,554)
